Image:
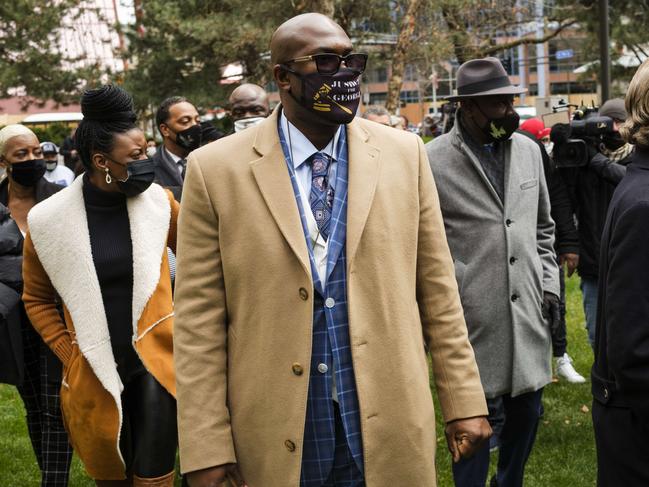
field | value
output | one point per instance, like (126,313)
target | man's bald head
(299,33)
(248,91)
(249,100)
(301,37)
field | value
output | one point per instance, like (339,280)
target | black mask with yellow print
(333,97)
(502,128)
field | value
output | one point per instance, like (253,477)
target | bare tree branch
(404,42)
(527,40)
(641,49)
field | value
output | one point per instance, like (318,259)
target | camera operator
(591,187)
(613,148)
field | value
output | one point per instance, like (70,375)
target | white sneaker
(567,371)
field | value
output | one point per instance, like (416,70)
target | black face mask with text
(502,128)
(334,98)
(190,138)
(28,173)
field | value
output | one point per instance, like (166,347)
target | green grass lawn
(564,453)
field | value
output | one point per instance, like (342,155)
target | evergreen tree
(30,64)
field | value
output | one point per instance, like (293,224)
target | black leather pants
(149,435)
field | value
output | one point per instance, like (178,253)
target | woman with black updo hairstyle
(100,248)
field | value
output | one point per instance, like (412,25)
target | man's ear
(164,130)
(282,78)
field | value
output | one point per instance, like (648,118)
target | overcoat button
(297,369)
(512,260)
(508,222)
(514,298)
(605,393)
(290,446)
(304,294)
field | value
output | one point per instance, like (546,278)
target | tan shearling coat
(244,304)
(58,260)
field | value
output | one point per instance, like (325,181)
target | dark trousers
(149,436)
(622,447)
(41,397)
(516,440)
(559,341)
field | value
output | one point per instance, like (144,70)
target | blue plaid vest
(331,342)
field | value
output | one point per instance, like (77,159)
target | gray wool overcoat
(504,259)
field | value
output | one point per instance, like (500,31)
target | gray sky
(125,12)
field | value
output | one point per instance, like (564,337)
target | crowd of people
(265,301)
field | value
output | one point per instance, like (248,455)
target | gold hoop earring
(108,178)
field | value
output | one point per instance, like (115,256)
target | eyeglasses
(330,63)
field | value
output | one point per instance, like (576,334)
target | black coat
(566,236)
(12,313)
(166,173)
(11,285)
(591,188)
(620,374)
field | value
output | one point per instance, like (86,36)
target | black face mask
(190,138)
(502,128)
(613,141)
(141,174)
(28,173)
(334,98)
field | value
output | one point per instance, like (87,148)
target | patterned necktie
(183,163)
(321,197)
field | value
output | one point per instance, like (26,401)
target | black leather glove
(551,310)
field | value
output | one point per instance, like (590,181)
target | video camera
(571,140)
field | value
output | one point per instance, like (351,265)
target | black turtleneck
(112,253)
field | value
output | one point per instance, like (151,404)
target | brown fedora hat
(483,77)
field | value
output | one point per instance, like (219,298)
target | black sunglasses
(330,63)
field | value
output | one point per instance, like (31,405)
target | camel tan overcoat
(244,304)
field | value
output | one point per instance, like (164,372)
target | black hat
(483,77)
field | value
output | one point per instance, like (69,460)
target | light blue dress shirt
(302,149)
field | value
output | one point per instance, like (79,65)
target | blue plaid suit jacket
(331,343)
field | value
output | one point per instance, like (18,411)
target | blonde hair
(636,128)
(11,131)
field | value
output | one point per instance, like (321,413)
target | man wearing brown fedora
(496,213)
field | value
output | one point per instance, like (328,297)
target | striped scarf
(618,154)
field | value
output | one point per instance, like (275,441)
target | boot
(114,483)
(166,480)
